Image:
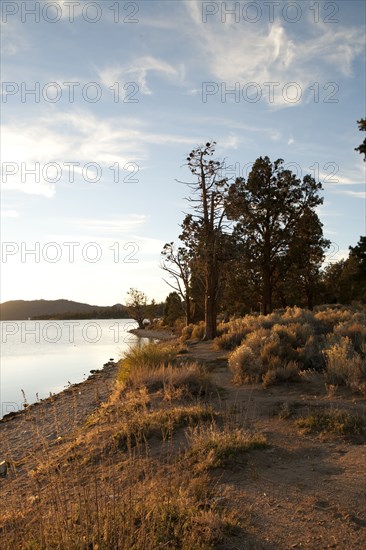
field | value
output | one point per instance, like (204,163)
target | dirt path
(303,491)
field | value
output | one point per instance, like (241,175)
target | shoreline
(94,374)
(161,335)
(55,417)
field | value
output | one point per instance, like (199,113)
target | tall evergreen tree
(173,308)
(267,208)
(305,257)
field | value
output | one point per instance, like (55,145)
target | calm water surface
(40,357)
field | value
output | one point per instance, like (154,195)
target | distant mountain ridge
(17,310)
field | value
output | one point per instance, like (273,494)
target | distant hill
(58,309)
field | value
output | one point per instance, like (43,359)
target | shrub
(187,332)
(245,365)
(332,339)
(229,341)
(355,331)
(296,314)
(329,317)
(294,334)
(342,363)
(278,375)
(257,339)
(198,331)
(311,355)
(194,332)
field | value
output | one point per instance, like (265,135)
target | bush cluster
(278,347)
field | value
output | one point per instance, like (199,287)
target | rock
(3,468)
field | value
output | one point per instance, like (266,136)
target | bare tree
(176,263)
(203,229)
(136,303)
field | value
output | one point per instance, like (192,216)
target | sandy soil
(24,433)
(154,334)
(304,491)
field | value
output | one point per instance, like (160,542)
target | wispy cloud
(273,53)
(110,228)
(138,71)
(75,137)
(350,193)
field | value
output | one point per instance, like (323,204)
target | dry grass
(190,380)
(151,355)
(278,375)
(212,446)
(116,486)
(148,505)
(122,480)
(333,422)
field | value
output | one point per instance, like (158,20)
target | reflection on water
(40,357)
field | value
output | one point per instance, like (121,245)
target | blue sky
(138,90)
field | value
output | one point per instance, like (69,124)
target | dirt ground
(304,491)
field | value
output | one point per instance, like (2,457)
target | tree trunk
(310,298)
(267,290)
(210,318)
(283,299)
(210,304)
(267,274)
(188,311)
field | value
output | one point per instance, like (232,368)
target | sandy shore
(52,419)
(25,432)
(154,334)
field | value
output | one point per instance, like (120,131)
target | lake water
(40,357)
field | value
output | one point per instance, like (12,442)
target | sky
(102,101)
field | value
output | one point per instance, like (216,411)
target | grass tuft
(333,422)
(213,447)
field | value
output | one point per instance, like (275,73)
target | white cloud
(273,53)
(150,246)
(74,137)
(111,227)
(335,254)
(137,71)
